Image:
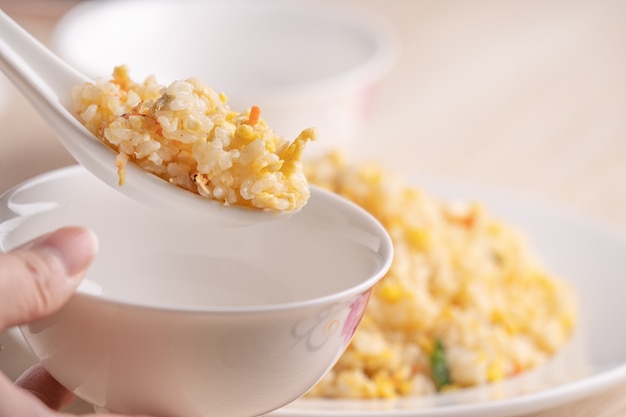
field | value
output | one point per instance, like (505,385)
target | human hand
(36,279)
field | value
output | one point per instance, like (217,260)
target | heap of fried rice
(464,303)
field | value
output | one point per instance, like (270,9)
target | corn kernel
(495,371)
(389,292)
(419,238)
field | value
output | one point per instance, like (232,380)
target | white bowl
(178,318)
(304,63)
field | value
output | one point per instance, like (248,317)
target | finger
(39,389)
(40,276)
(17,402)
(24,402)
(42,385)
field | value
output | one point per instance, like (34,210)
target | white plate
(592,259)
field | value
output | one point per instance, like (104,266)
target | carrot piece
(255,115)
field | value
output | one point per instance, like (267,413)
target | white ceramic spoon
(47,82)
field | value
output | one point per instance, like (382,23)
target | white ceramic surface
(185,318)
(304,63)
(5,92)
(588,255)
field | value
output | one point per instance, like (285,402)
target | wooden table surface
(524,95)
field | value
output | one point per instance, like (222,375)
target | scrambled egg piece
(464,303)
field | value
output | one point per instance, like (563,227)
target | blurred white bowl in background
(304,63)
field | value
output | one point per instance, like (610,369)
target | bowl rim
(363,287)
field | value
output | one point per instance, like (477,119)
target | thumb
(37,278)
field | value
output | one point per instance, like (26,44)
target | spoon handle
(47,82)
(31,67)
